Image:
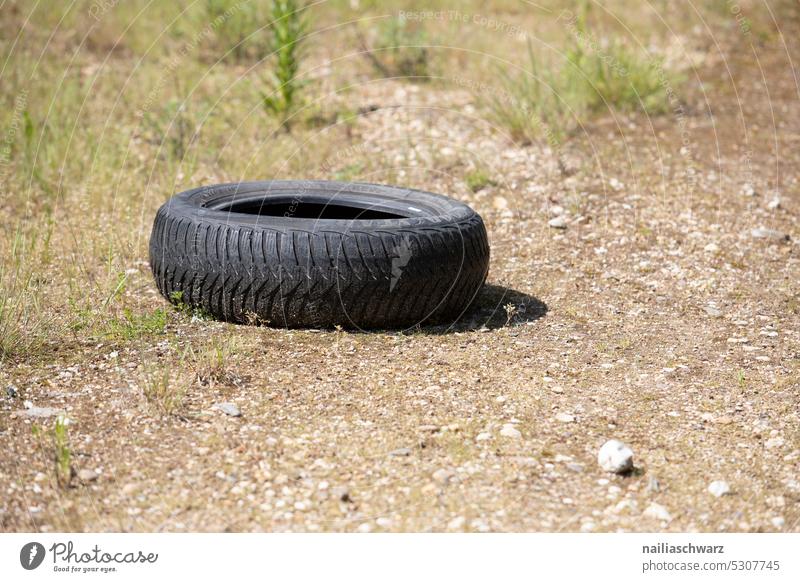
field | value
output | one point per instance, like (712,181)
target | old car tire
(319,254)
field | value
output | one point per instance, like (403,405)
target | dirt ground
(657,316)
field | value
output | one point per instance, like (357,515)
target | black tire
(319,254)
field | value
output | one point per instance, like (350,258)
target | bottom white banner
(401,556)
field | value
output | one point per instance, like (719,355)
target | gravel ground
(653,311)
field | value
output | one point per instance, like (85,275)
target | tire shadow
(488,311)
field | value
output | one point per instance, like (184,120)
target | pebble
(38,412)
(774,204)
(500,203)
(442,475)
(428,428)
(615,457)
(484,436)
(774,443)
(748,190)
(653,485)
(87,475)
(456,523)
(711,248)
(404,452)
(342,494)
(11,391)
(769,233)
(657,511)
(558,222)
(556,210)
(719,488)
(509,431)
(228,408)
(778,522)
(564,417)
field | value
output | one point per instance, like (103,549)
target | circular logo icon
(31,555)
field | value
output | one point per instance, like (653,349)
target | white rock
(719,488)
(228,408)
(564,417)
(657,511)
(769,233)
(456,523)
(443,475)
(774,443)
(748,190)
(556,210)
(711,248)
(87,475)
(774,204)
(509,431)
(484,436)
(557,222)
(615,457)
(778,522)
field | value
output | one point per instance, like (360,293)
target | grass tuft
(399,50)
(548,102)
(133,326)
(289,25)
(164,389)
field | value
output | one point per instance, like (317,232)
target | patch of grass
(237,26)
(164,389)
(22,323)
(132,326)
(399,50)
(62,453)
(289,25)
(211,362)
(548,102)
(478,179)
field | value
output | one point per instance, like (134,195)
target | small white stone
(228,408)
(778,522)
(774,204)
(484,436)
(456,523)
(615,457)
(443,475)
(556,210)
(564,417)
(711,248)
(719,488)
(87,475)
(557,222)
(748,190)
(657,511)
(509,431)
(774,443)
(769,233)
